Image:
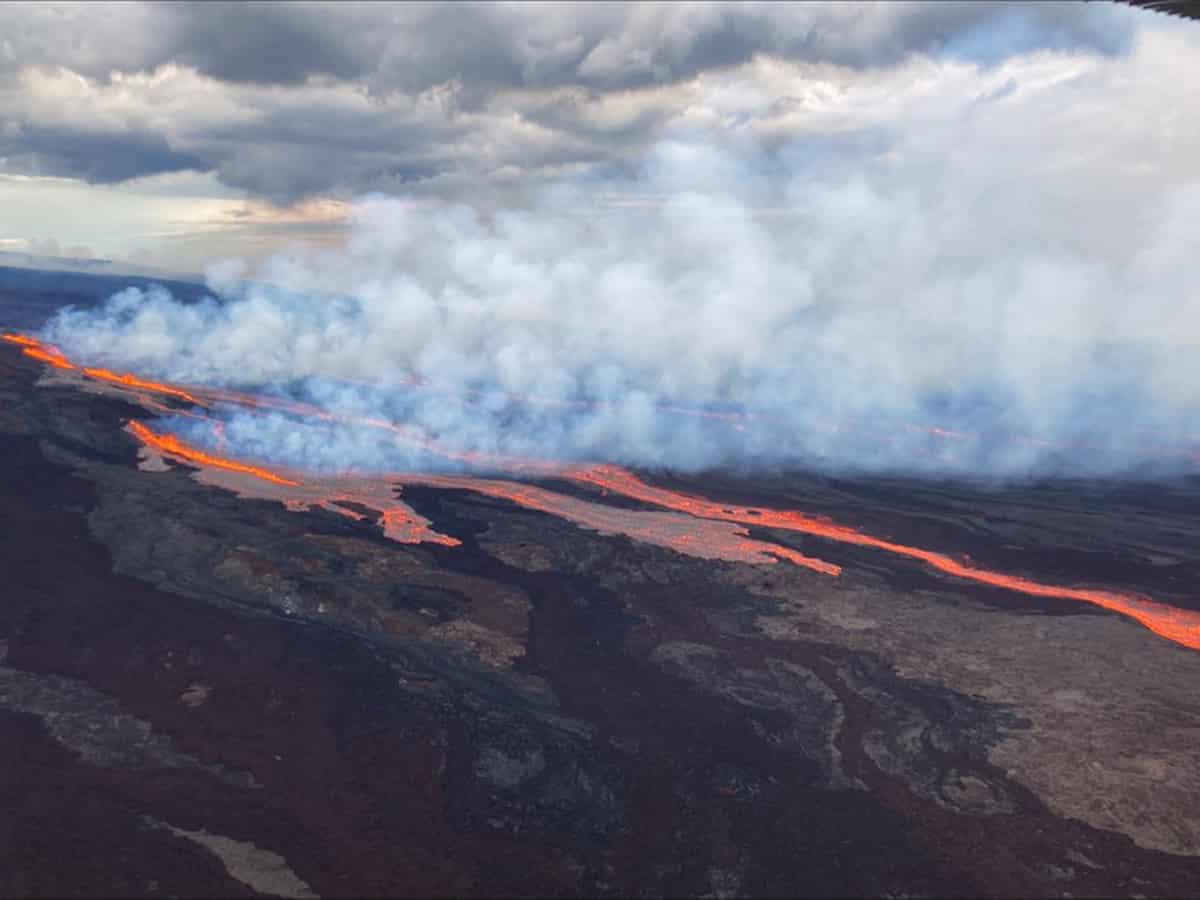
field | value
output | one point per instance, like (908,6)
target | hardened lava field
(222,677)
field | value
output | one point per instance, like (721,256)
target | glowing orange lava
(20,339)
(170,444)
(405,434)
(48,356)
(1179,625)
(399,522)
(52,355)
(684,534)
(35,349)
(141,384)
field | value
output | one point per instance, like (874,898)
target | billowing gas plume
(1002,285)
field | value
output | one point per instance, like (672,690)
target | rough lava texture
(220,695)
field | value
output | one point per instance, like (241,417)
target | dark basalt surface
(548,711)
(1135,535)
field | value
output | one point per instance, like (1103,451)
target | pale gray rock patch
(258,869)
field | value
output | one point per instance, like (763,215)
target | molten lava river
(685,523)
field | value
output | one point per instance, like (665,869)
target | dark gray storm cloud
(96,157)
(606,45)
(291,99)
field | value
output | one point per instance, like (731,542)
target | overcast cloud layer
(852,223)
(290,100)
(1004,250)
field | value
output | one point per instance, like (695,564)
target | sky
(851,222)
(179,134)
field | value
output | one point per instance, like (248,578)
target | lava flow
(50,354)
(685,534)
(35,349)
(167,443)
(338,494)
(1181,626)
(141,384)
(682,533)
(707,539)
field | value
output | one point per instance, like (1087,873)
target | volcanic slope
(693,534)
(550,707)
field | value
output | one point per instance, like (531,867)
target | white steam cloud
(1010,256)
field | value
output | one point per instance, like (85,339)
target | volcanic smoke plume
(983,288)
(694,525)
